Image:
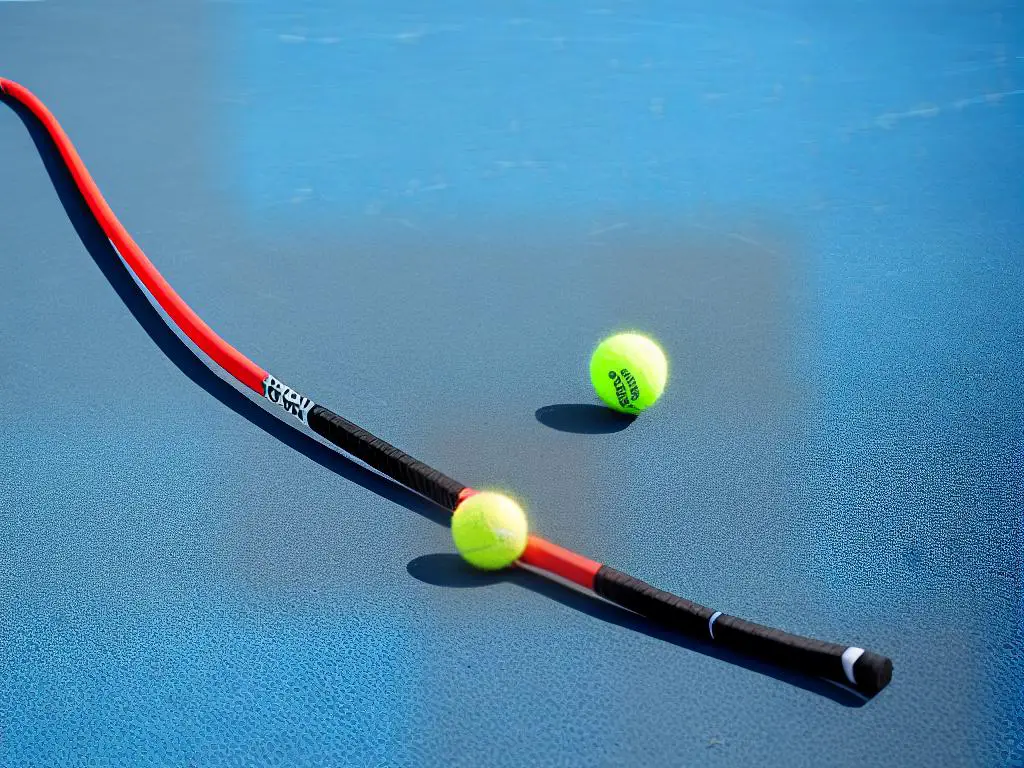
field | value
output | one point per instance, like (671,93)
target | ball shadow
(448,570)
(583,419)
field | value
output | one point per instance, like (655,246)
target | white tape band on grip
(850,656)
(711,623)
(292,402)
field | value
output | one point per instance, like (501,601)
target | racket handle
(864,671)
(384,457)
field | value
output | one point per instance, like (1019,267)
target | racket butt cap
(872,672)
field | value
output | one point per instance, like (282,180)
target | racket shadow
(449,570)
(179,353)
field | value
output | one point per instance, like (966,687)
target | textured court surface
(424,220)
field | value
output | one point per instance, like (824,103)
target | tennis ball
(628,372)
(489,530)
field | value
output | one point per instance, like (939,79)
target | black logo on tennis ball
(621,393)
(634,388)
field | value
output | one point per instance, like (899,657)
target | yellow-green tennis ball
(489,530)
(628,372)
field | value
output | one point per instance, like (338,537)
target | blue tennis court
(427,216)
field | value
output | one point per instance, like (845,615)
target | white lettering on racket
(281,394)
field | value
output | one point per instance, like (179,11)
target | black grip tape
(803,654)
(385,458)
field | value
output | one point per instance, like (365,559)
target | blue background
(425,219)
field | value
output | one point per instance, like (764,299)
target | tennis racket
(850,666)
